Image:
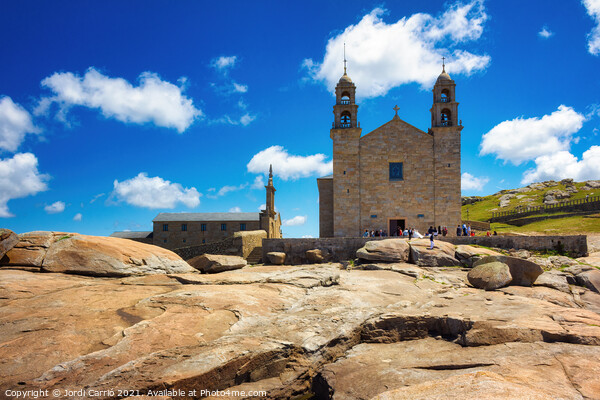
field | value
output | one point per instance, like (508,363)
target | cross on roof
(396,108)
(444,64)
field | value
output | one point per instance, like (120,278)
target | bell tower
(446,129)
(345,133)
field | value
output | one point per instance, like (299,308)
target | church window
(183,240)
(165,227)
(445,97)
(345,98)
(345,121)
(223,227)
(184,227)
(396,171)
(203,240)
(242,227)
(203,227)
(446,118)
(164,240)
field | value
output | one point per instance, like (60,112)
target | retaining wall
(240,244)
(343,249)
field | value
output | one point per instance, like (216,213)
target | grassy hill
(481,208)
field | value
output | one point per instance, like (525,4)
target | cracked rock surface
(398,332)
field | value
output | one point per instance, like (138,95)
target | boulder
(593,184)
(8,240)
(589,279)
(316,256)
(504,200)
(522,253)
(387,250)
(111,257)
(31,248)
(523,272)
(213,263)
(276,257)
(554,280)
(469,254)
(557,194)
(442,254)
(490,276)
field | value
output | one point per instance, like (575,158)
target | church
(396,176)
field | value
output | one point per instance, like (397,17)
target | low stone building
(177,230)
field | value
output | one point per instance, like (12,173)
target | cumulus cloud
(155,192)
(19,177)
(382,56)
(563,165)
(470,182)
(593,9)
(224,63)
(55,208)
(288,166)
(240,88)
(152,101)
(545,33)
(77,217)
(15,123)
(296,221)
(524,139)
(235,210)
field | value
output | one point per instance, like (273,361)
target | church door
(394,225)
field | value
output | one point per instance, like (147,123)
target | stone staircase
(255,256)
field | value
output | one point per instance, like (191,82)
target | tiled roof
(132,235)
(229,216)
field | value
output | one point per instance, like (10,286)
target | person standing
(469,230)
(458,230)
(431,240)
(410,233)
(464,228)
(366,234)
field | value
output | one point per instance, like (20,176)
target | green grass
(483,211)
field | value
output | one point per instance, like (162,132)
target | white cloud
(288,166)
(593,10)
(470,182)
(240,88)
(96,197)
(382,56)
(19,177)
(523,139)
(235,210)
(545,33)
(155,192)
(563,165)
(55,208)
(223,63)
(15,122)
(259,183)
(307,236)
(296,221)
(224,190)
(153,100)
(264,207)
(244,120)
(77,217)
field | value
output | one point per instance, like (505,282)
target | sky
(112,112)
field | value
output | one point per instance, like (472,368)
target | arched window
(345,121)
(445,97)
(446,118)
(345,98)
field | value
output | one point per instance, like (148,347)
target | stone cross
(396,108)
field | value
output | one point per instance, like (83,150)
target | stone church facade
(396,176)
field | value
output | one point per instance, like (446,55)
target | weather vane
(344,58)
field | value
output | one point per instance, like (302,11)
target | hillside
(477,208)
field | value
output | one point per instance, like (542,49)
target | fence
(588,204)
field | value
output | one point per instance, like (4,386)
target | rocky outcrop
(589,279)
(442,255)
(554,279)
(490,276)
(504,200)
(523,272)
(276,257)
(213,263)
(290,331)
(8,240)
(466,200)
(91,255)
(386,250)
(467,255)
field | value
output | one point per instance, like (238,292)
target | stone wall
(325,186)
(574,245)
(175,237)
(343,249)
(477,225)
(240,244)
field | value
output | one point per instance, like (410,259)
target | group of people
(465,230)
(375,233)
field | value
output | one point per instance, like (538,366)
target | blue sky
(111,112)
